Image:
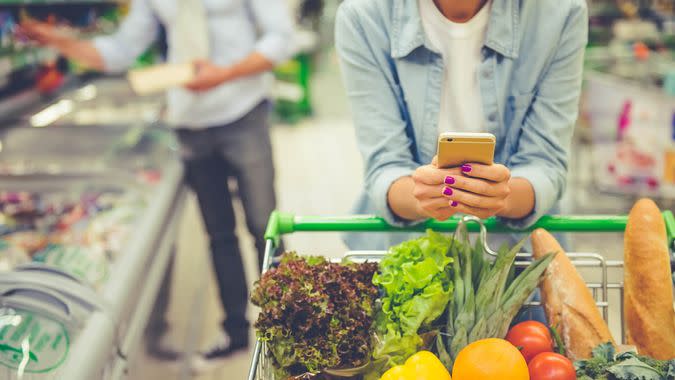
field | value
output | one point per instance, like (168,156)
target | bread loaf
(648,294)
(568,303)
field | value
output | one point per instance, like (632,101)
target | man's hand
(208,76)
(64,40)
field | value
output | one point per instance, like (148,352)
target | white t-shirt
(460,45)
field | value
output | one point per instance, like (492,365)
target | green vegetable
(315,314)
(441,293)
(628,369)
(416,280)
(559,343)
(606,364)
(487,296)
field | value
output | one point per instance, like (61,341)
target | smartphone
(457,148)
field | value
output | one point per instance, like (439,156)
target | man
(221,116)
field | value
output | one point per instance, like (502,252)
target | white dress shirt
(236,28)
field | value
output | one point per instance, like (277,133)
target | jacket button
(492,117)
(487,74)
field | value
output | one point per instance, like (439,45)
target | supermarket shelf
(14,61)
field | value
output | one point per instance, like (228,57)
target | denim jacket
(529,78)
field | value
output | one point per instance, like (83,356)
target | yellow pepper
(422,366)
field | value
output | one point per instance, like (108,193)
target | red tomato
(551,366)
(532,338)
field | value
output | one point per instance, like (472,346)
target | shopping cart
(606,275)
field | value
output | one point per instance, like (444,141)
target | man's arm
(274,46)
(209,75)
(82,51)
(115,52)
(274,21)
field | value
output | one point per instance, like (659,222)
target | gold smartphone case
(453,152)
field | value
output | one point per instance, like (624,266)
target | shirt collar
(502,34)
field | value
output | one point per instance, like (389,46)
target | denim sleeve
(274,21)
(380,129)
(543,148)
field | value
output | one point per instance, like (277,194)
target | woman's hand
(474,189)
(481,190)
(429,182)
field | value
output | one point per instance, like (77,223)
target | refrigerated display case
(124,264)
(103,101)
(70,149)
(44,319)
(95,205)
(78,226)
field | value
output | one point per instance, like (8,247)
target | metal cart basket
(607,275)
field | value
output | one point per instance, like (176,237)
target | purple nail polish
(449,180)
(466,168)
(447,191)
(454,204)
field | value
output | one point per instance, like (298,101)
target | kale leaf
(606,364)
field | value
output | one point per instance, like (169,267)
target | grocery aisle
(69,131)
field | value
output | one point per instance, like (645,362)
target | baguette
(568,303)
(648,294)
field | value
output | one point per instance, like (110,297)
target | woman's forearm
(401,199)
(520,203)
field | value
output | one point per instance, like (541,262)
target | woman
(416,68)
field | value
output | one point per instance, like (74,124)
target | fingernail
(447,191)
(449,180)
(454,204)
(466,168)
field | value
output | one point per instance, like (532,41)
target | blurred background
(73,141)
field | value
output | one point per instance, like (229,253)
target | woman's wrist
(521,201)
(401,201)
(417,197)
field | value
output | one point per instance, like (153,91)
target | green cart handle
(282,223)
